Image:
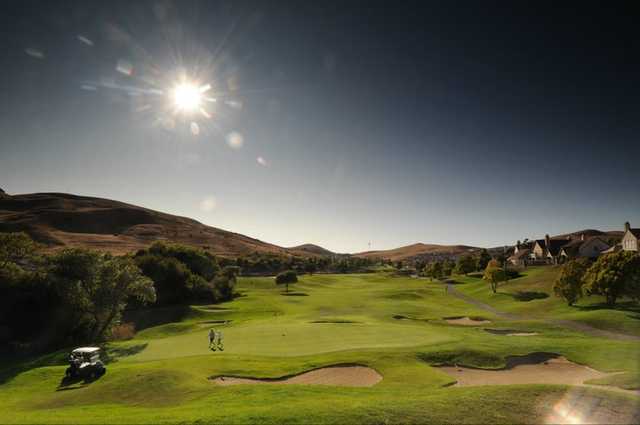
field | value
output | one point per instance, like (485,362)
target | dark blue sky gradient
(441,122)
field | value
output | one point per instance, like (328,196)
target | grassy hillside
(392,324)
(310,249)
(417,250)
(538,281)
(58,220)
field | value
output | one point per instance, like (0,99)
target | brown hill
(310,249)
(588,233)
(62,220)
(418,250)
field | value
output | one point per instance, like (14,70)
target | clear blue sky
(472,124)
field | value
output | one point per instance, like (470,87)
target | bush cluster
(78,296)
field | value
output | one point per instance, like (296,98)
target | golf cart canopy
(86,350)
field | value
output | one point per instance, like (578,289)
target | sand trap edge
(285,378)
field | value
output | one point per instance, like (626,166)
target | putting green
(296,339)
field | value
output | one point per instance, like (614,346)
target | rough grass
(161,374)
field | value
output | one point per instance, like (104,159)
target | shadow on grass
(216,322)
(529,295)
(113,354)
(68,384)
(150,317)
(294,294)
(13,365)
(629,306)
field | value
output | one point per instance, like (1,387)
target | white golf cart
(84,362)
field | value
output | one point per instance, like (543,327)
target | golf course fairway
(393,327)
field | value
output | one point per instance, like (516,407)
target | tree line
(78,296)
(613,276)
(465,264)
(272,264)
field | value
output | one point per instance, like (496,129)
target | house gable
(630,240)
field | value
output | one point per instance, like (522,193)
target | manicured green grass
(162,374)
(590,310)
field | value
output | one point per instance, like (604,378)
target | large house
(557,250)
(547,250)
(631,238)
(521,254)
(583,247)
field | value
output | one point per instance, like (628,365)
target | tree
(465,265)
(494,274)
(569,283)
(434,270)
(225,282)
(197,260)
(96,288)
(447,267)
(614,275)
(286,277)
(172,280)
(483,259)
(310,267)
(184,274)
(16,248)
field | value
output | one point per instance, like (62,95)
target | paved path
(576,326)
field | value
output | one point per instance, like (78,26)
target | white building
(630,239)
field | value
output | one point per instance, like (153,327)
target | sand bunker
(343,376)
(535,368)
(465,321)
(510,332)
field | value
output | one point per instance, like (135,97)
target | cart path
(576,326)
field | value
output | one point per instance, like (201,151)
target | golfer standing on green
(212,339)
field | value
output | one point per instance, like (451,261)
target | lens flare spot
(260,160)
(208,204)
(235,140)
(195,128)
(34,53)
(124,67)
(205,113)
(85,40)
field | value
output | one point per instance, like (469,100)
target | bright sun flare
(187,97)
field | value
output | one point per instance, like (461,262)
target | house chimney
(627,226)
(547,240)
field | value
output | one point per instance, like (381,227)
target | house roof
(555,245)
(635,232)
(541,242)
(521,253)
(573,247)
(615,248)
(86,350)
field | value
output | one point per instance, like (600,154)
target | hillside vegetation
(61,220)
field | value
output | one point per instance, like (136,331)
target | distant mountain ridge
(418,250)
(63,220)
(312,249)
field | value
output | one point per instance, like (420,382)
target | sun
(187,97)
